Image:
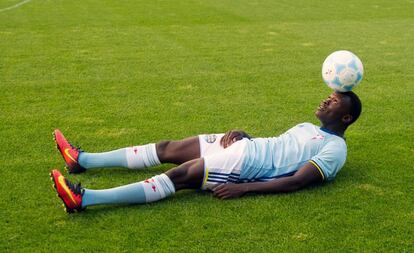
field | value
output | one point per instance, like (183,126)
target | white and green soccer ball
(342,71)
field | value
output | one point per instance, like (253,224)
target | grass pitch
(111,74)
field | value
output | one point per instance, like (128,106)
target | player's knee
(178,173)
(179,177)
(163,151)
(187,175)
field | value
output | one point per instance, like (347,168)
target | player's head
(339,108)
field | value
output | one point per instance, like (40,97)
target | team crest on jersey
(210,138)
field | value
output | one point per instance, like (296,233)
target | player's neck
(336,129)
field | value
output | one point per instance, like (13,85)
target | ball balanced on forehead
(342,71)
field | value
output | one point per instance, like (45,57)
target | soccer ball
(342,71)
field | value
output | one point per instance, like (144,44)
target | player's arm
(232,136)
(308,174)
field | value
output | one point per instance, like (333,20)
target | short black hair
(356,106)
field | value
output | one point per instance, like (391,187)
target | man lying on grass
(230,164)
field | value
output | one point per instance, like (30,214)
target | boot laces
(75,188)
(78,148)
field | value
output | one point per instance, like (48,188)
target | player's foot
(71,194)
(69,152)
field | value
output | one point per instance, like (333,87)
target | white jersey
(269,158)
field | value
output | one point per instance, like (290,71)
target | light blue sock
(136,157)
(150,190)
(116,158)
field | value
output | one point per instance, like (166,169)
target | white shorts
(221,165)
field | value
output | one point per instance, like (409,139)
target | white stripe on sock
(152,150)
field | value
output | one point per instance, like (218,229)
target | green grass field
(111,74)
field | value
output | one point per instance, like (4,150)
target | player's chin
(320,114)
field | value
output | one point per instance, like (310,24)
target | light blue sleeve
(331,159)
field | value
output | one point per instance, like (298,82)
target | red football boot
(69,152)
(70,194)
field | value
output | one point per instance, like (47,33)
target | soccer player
(230,164)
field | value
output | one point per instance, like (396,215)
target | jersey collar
(331,132)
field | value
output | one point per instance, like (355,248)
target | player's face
(334,109)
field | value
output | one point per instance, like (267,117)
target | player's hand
(229,190)
(231,137)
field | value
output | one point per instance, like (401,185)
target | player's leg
(135,157)
(144,156)
(186,176)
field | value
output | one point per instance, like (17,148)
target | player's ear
(347,118)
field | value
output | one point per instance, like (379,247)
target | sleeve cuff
(319,169)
